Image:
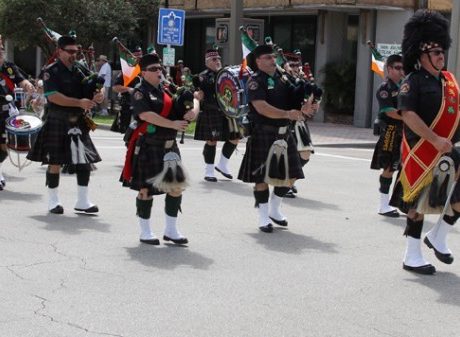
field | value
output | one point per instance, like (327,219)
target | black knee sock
(3,155)
(261,197)
(280,191)
(413,228)
(228,148)
(144,208)
(83,177)
(385,184)
(304,162)
(52,179)
(172,205)
(451,219)
(209,153)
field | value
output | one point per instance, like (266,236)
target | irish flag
(248,45)
(378,63)
(129,67)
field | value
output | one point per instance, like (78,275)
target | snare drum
(22,131)
(231,91)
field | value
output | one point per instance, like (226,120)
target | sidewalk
(328,134)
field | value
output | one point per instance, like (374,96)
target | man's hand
(179,125)
(28,87)
(86,104)
(199,95)
(295,115)
(443,145)
(189,115)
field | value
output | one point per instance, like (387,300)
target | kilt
(214,125)
(252,168)
(3,116)
(387,152)
(53,143)
(148,163)
(122,119)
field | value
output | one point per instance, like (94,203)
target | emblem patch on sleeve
(138,95)
(46,76)
(253,85)
(404,88)
(384,94)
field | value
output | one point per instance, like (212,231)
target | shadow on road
(168,257)
(225,185)
(309,203)
(72,223)
(284,241)
(18,196)
(446,284)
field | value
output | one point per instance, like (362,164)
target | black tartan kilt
(257,148)
(3,116)
(149,163)
(387,152)
(53,143)
(213,125)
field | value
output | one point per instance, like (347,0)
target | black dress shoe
(92,209)
(267,228)
(427,269)
(154,242)
(391,214)
(226,175)
(181,241)
(289,194)
(283,223)
(57,210)
(294,189)
(211,179)
(445,258)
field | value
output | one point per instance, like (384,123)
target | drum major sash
(418,162)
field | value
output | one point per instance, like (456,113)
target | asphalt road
(336,271)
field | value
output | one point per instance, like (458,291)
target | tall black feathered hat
(425,30)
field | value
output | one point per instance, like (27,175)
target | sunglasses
(154,68)
(71,51)
(215,59)
(437,52)
(397,68)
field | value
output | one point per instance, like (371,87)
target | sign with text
(387,49)
(169,57)
(171,24)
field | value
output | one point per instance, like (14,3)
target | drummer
(10,76)
(212,125)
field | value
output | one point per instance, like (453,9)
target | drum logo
(227,94)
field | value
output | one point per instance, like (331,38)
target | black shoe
(154,242)
(92,209)
(181,241)
(211,179)
(391,214)
(226,175)
(294,189)
(57,210)
(289,194)
(267,228)
(445,258)
(283,223)
(427,269)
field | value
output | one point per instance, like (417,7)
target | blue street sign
(171,24)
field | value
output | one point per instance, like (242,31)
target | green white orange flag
(378,63)
(129,67)
(248,45)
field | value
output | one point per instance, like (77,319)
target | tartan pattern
(149,163)
(213,125)
(387,152)
(53,143)
(256,154)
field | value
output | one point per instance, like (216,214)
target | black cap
(66,41)
(148,59)
(262,50)
(394,59)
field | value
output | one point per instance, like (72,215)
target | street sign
(387,49)
(169,57)
(171,24)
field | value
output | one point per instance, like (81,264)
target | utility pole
(454,55)
(236,19)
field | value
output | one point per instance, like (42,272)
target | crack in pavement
(42,308)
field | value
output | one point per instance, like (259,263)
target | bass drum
(231,91)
